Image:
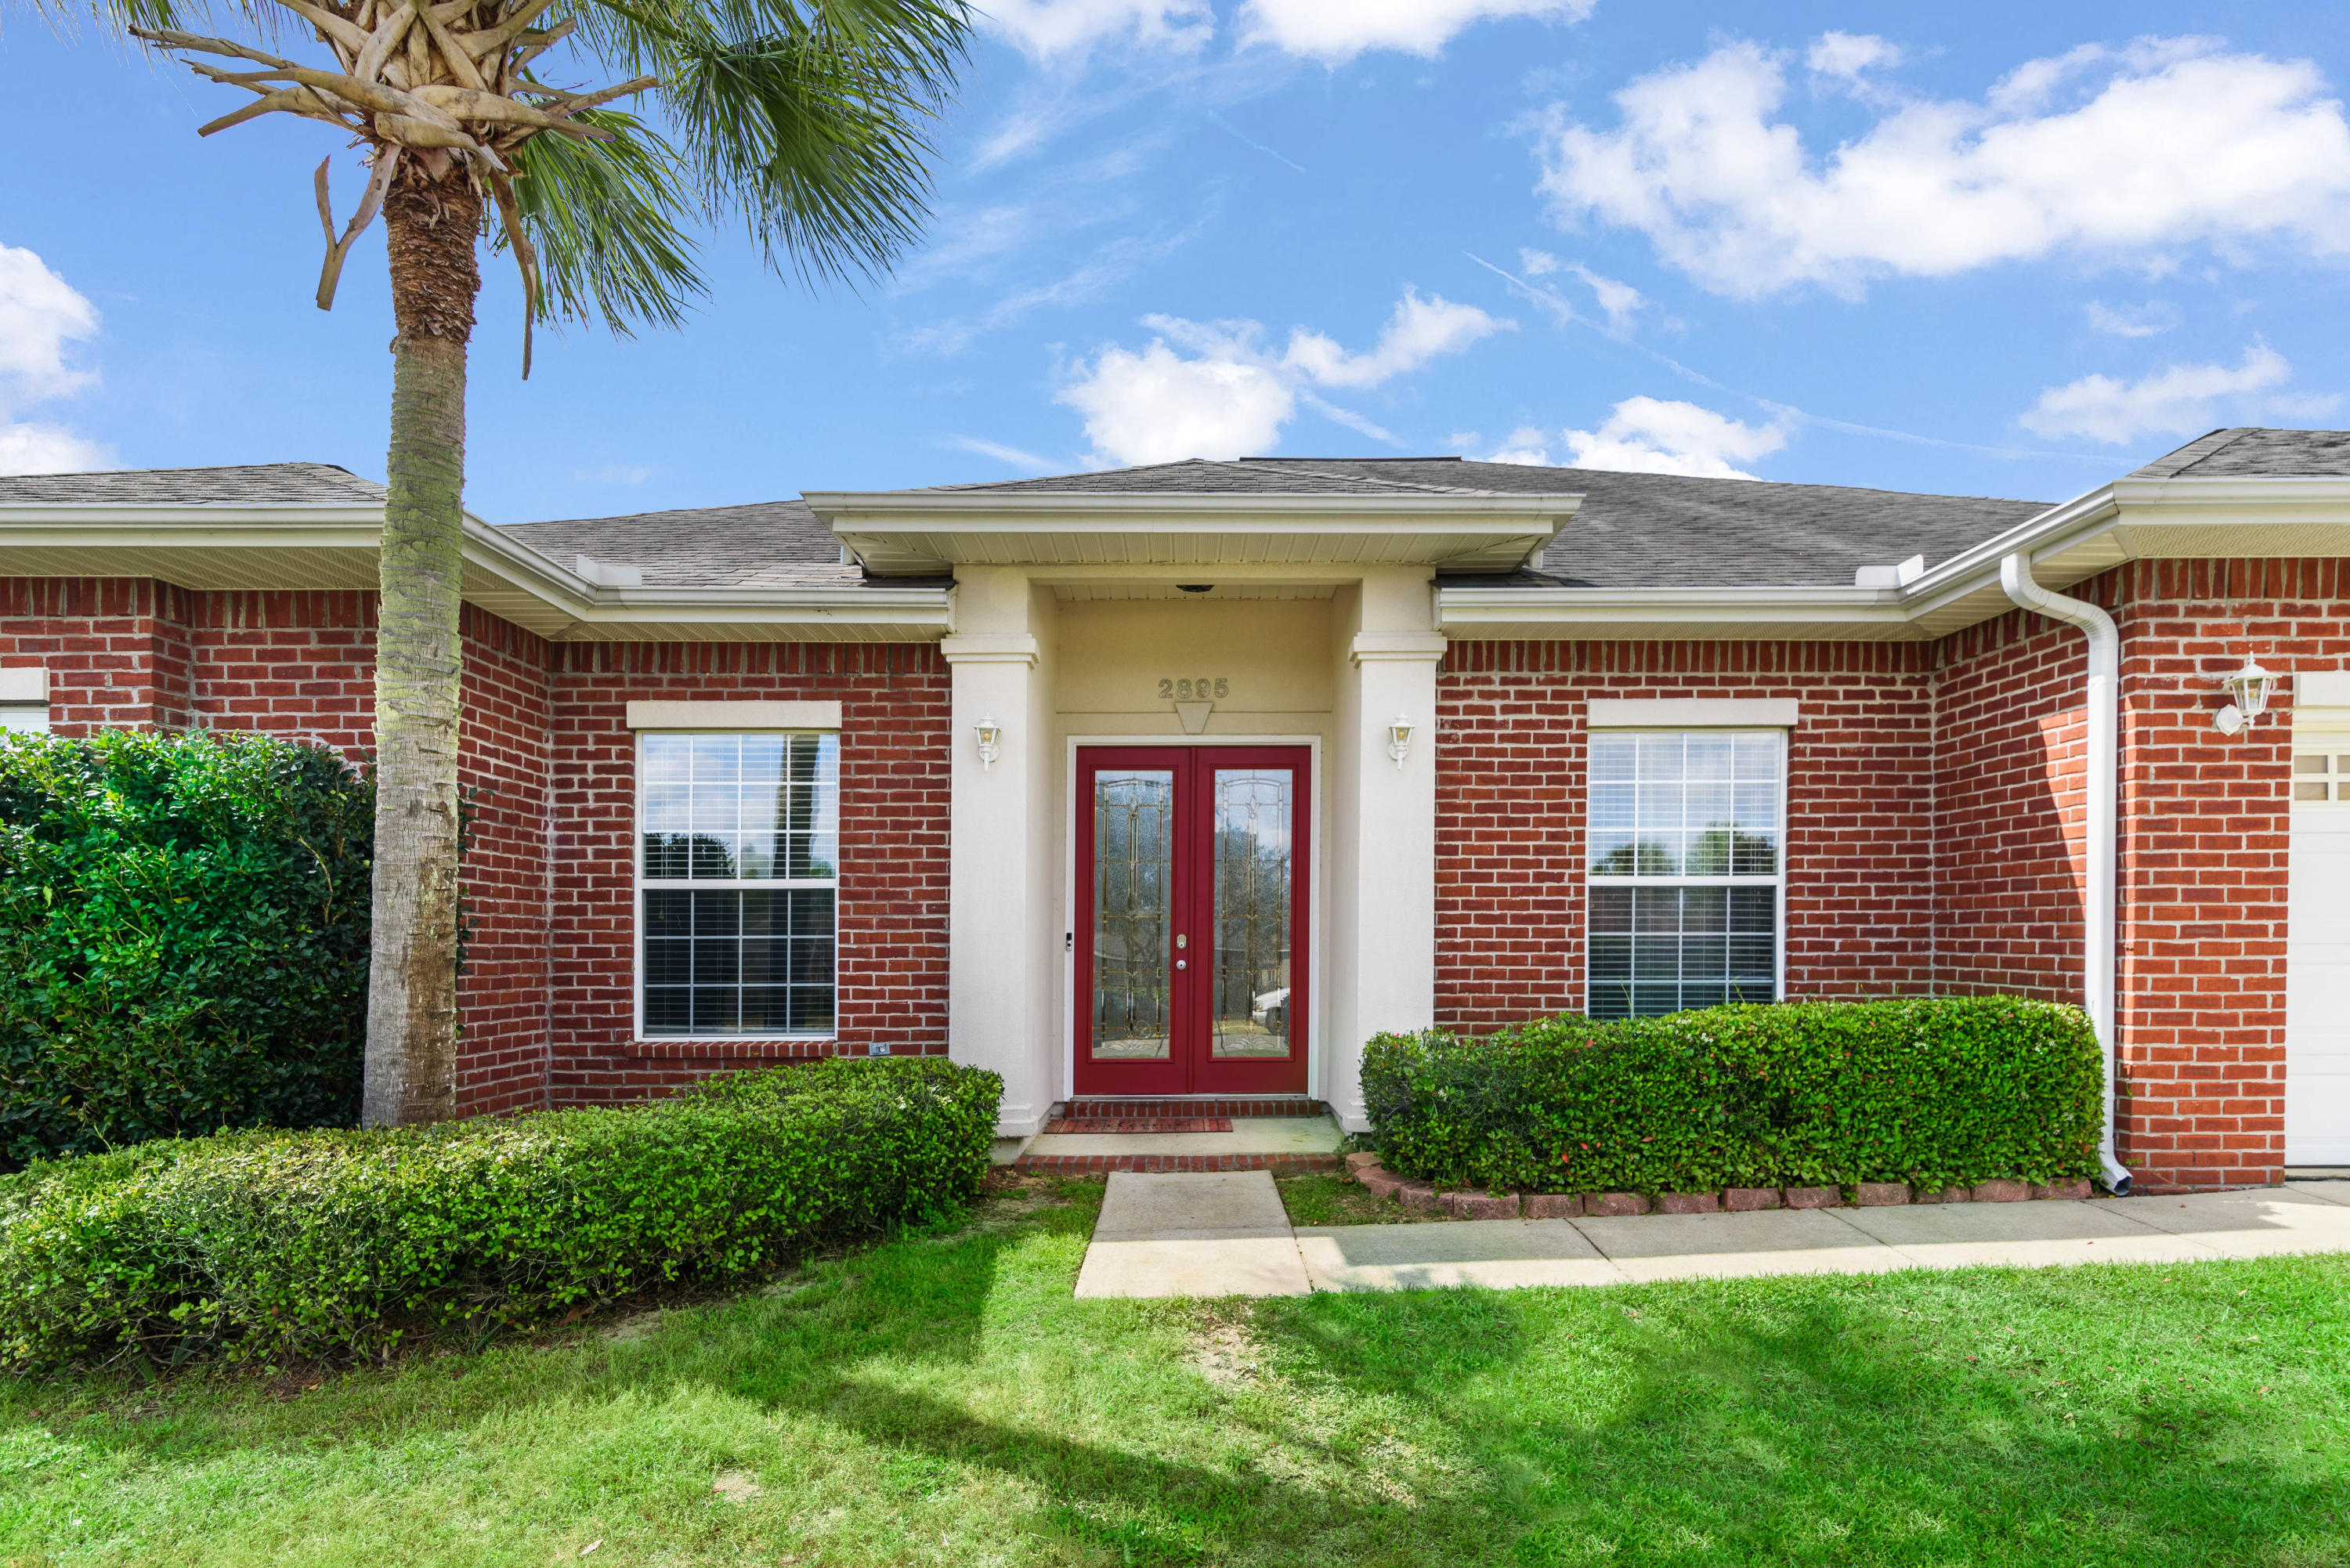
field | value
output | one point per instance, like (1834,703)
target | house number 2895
(1187,689)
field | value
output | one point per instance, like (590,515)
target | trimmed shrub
(183,937)
(344,1242)
(1941,1092)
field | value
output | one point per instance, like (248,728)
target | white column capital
(989,647)
(1399,646)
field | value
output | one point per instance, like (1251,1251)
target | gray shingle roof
(1249,476)
(1634,530)
(313,483)
(2250,453)
(770,544)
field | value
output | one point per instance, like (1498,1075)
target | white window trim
(1779,903)
(23,688)
(640,882)
(735,718)
(1693,713)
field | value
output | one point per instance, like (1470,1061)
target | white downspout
(2103,786)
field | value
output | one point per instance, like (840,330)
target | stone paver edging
(1381,1182)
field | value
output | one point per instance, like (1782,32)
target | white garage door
(2317,958)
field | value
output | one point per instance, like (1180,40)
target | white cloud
(1044,28)
(1523,445)
(40,314)
(1009,456)
(1212,389)
(2162,145)
(1334,31)
(1537,264)
(1419,331)
(1157,406)
(2143,321)
(49,449)
(611,474)
(1621,301)
(1649,435)
(2184,399)
(1848,55)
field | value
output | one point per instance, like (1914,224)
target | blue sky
(2002,249)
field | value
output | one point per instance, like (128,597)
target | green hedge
(1938,1092)
(328,1243)
(183,937)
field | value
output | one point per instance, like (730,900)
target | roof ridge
(2210,444)
(1299,464)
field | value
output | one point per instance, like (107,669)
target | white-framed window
(1684,879)
(25,702)
(737,884)
(2322,773)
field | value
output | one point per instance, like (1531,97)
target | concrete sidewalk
(1226,1234)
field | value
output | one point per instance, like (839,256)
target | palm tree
(806,120)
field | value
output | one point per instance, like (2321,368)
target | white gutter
(2103,788)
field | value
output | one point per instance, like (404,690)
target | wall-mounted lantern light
(2250,688)
(1399,740)
(989,735)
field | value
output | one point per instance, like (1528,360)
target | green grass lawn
(1341,1201)
(942,1399)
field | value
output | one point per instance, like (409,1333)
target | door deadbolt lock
(1181,942)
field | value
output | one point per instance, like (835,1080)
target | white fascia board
(144,527)
(870,523)
(565,599)
(1464,612)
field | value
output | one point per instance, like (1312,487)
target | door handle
(1179,963)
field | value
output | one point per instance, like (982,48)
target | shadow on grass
(1779,1421)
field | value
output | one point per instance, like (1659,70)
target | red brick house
(1184,780)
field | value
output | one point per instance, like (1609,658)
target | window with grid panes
(2322,773)
(739,878)
(1683,875)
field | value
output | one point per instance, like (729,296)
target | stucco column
(1383,964)
(998,1016)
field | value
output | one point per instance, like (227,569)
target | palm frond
(808,120)
(604,218)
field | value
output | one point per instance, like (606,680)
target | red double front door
(1192,870)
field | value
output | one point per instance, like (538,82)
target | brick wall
(2009,808)
(502,764)
(1509,805)
(893,826)
(116,648)
(296,665)
(2205,864)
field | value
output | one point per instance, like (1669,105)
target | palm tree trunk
(411,1044)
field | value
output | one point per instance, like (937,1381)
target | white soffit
(918,533)
(1693,713)
(720,715)
(2313,688)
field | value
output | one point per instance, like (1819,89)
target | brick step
(1140,1124)
(1098,1108)
(1103,1164)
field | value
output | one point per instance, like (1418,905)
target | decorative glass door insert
(1191,923)
(1134,889)
(1252,912)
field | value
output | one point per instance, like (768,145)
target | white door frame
(1316,901)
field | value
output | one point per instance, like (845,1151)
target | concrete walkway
(1226,1234)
